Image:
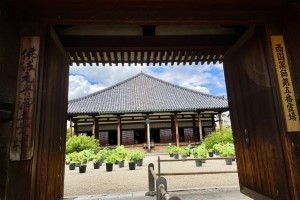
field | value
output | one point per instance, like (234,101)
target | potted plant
(170,149)
(228,151)
(132,157)
(210,152)
(97,160)
(202,153)
(83,158)
(72,159)
(120,154)
(139,156)
(184,152)
(175,151)
(218,148)
(194,152)
(109,162)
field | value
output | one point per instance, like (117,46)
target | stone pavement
(231,193)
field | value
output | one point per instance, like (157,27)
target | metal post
(160,181)
(151,181)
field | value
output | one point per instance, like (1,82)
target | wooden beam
(134,42)
(151,13)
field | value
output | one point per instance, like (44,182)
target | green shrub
(80,143)
(120,153)
(217,137)
(202,151)
(134,155)
(227,150)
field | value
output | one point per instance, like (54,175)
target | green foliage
(72,157)
(80,158)
(202,151)
(194,152)
(170,148)
(227,150)
(218,136)
(120,153)
(184,151)
(134,155)
(218,147)
(110,158)
(80,143)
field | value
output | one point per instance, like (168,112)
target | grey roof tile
(144,93)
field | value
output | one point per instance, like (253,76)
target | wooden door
(52,118)
(260,159)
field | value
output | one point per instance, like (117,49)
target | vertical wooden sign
(285,84)
(22,137)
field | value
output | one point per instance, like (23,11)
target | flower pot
(72,166)
(97,165)
(176,156)
(131,165)
(228,161)
(171,155)
(109,167)
(82,168)
(139,163)
(211,154)
(198,163)
(121,164)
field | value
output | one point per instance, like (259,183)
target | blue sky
(207,78)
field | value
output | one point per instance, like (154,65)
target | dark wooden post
(95,127)
(195,128)
(176,129)
(173,129)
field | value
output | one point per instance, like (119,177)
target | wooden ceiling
(148,45)
(171,45)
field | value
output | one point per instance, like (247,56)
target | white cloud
(88,79)
(79,86)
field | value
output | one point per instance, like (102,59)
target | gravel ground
(123,180)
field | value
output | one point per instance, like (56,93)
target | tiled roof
(144,93)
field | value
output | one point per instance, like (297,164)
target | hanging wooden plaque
(22,137)
(285,84)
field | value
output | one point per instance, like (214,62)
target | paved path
(123,183)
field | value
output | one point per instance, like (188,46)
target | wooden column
(148,133)
(119,129)
(173,129)
(95,128)
(195,128)
(176,129)
(220,121)
(200,128)
(71,126)
(75,127)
